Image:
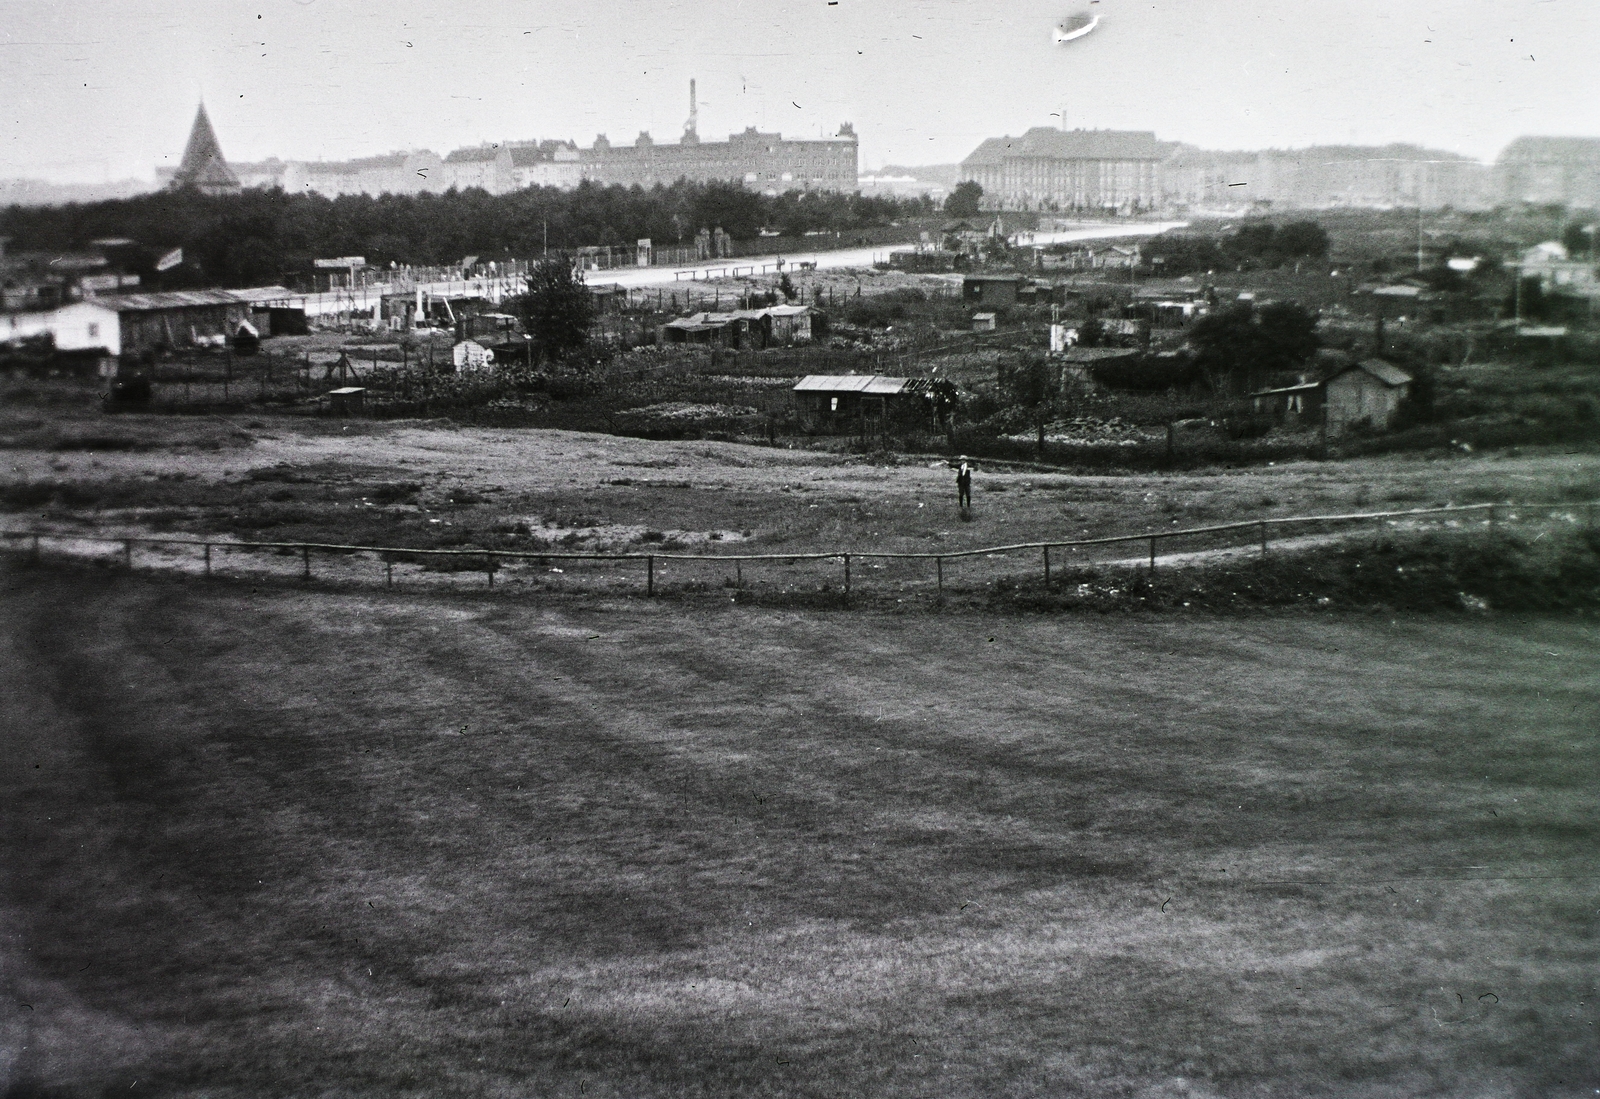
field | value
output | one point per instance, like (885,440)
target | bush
(1149,373)
(882,310)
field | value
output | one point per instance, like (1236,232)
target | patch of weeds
(100,442)
(285,474)
(393,492)
(166,519)
(464,562)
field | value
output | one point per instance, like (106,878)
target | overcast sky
(103,89)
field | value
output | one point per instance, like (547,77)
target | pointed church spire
(203,164)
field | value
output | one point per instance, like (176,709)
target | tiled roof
(1585,149)
(477,154)
(1045,143)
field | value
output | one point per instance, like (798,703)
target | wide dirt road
(301,843)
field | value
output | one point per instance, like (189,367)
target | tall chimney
(694,111)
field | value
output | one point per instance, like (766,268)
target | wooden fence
(1260,534)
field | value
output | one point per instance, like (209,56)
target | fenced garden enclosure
(844,572)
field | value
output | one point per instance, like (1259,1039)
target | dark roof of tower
(203,163)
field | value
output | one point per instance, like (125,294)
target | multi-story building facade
(1564,170)
(545,164)
(1047,169)
(765,162)
(1326,176)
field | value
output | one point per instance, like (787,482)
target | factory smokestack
(691,129)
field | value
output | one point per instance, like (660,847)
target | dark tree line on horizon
(264,236)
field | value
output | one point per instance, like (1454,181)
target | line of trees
(260,236)
(1252,245)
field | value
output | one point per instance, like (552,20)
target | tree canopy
(1244,347)
(1254,244)
(557,310)
(962,202)
(260,236)
(1578,237)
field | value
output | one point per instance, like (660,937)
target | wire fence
(844,571)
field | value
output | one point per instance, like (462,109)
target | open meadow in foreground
(261,841)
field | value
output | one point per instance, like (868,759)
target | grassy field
(311,843)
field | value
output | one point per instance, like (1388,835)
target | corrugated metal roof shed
(1300,388)
(876,385)
(186,299)
(1388,373)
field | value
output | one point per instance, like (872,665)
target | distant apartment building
(1564,170)
(1326,176)
(1192,176)
(545,164)
(765,162)
(488,167)
(1047,169)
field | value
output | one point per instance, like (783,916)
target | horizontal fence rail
(1492,514)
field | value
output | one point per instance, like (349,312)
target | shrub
(1149,373)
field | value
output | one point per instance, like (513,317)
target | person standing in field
(964,484)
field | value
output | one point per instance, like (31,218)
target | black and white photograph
(800,549)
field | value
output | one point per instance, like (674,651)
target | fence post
(650,575)
(1152,555)
(388,574)
(847,574)
(939,564)
(1263,539)
(305,559)
(1047,566)
(127,553)
(489,571)
(738,574)
(208,558)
